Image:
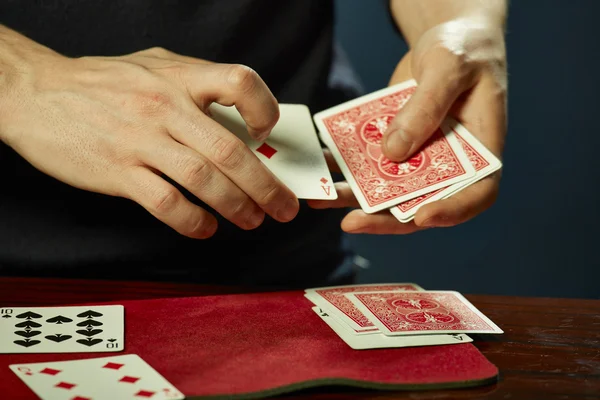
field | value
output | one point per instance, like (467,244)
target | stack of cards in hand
(451,160)
(387,315)
(79,329)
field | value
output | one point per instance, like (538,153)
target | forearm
(17,56)
(414,17)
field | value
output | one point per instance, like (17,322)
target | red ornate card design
(477,161)
(406,312)
(357,131)
(337,298)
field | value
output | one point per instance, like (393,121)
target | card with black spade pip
(80,329)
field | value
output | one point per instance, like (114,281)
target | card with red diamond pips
(121,377)
(292,152)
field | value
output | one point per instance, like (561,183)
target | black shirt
(50,228)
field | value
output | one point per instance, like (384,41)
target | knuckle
(269,118)
(159,51)
(275,113)
(240,211)
(165,202)
(269,194)
(242,78)
(228,153)
(196,225)
(431,109)
(196,172)
(153,103)
(176,70)
(410,132)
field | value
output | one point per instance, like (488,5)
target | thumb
(423,113)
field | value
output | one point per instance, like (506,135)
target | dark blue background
(539,239)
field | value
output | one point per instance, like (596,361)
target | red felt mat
(264,344)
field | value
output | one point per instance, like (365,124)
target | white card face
(332,299)
(292,151)
(120,377)
(484,162)
(81,329)
(354,130)
(380,341)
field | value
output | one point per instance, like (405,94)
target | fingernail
(396,145)
(207,230)
(254,220)
(356,231)
(289,210)
(260,136)
(437,221)
(428,223)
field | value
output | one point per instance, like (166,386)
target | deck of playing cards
(451,160)
(397,315)
(79,329)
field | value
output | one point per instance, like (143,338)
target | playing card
(484,162)
(419,313)
(381,341)
(292,151)
(353,132)
(121,377)
(332,299)
(81,329)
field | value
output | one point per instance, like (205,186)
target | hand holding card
(292,151)
(354,130)
(484,162)
(451,160)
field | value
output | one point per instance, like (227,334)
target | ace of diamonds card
(292,152)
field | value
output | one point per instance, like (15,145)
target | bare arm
(415,17)
(15,50)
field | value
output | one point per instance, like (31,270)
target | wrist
(474,37)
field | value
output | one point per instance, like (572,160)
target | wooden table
(550,348)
